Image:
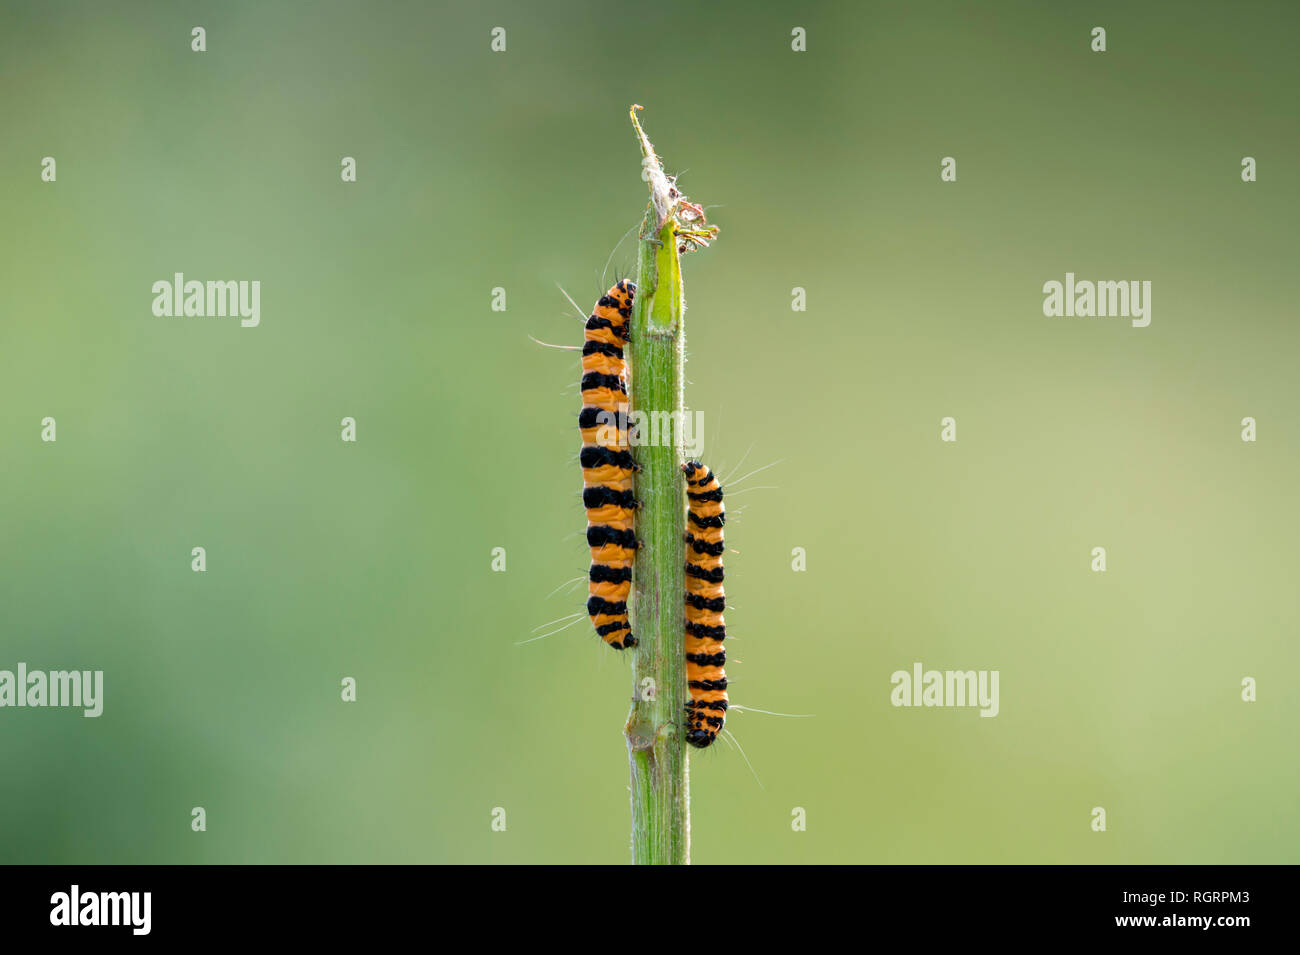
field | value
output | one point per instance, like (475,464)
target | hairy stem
(656,747)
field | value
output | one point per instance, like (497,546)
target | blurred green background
(519,170)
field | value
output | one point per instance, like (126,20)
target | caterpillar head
(696,473)
(615,307)
(624,291)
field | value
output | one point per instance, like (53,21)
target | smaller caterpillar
(607,468)
(705,602)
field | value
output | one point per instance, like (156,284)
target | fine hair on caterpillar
(728,735)
(627,266)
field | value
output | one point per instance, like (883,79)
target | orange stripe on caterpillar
(706,680)
(607,466)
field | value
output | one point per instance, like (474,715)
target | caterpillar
(607,467)
(705,601)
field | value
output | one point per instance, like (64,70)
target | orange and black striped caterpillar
(705,602)
(607,466)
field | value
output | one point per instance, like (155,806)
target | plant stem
(656,747)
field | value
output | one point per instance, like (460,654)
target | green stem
(656,747)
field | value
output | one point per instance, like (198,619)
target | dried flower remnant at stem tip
(653,173)
(690,226)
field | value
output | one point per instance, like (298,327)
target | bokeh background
(519,170)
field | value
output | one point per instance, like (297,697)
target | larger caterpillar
(705,601)
(607,466)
